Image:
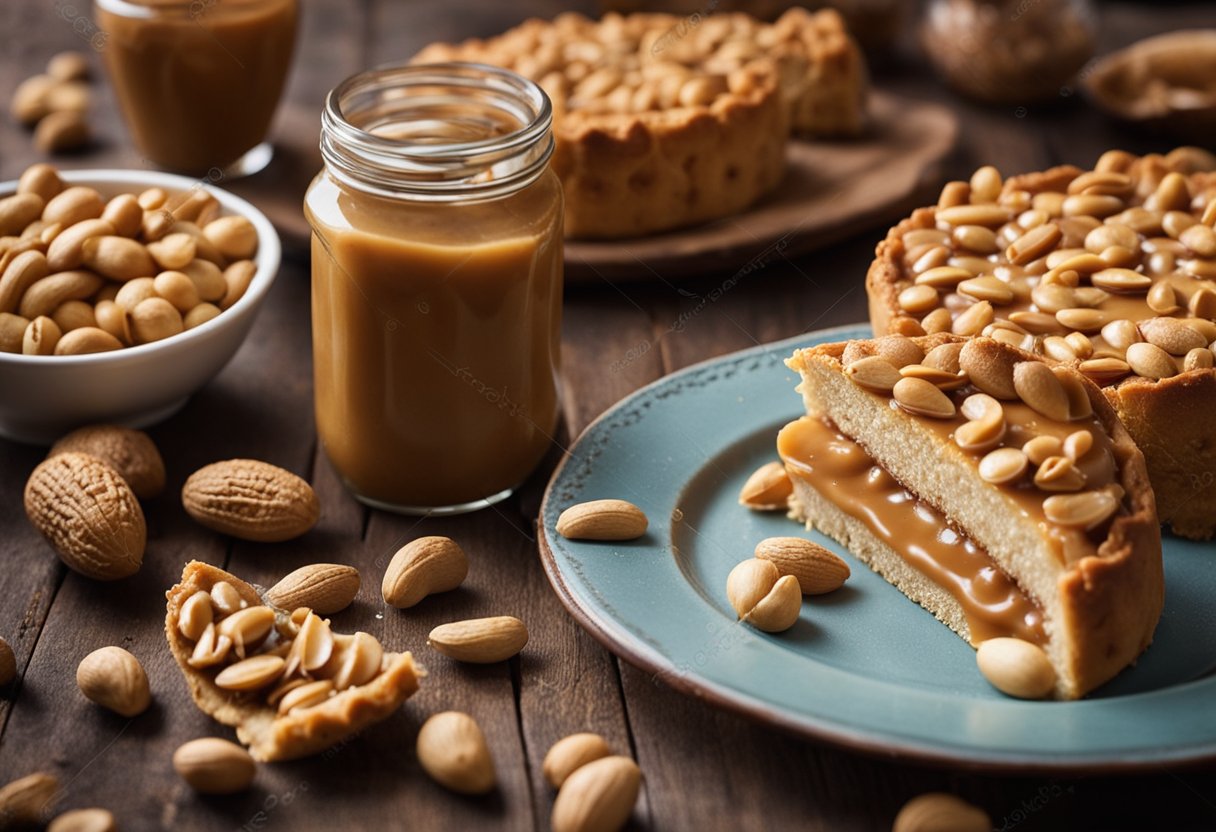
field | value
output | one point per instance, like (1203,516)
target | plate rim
(875,743)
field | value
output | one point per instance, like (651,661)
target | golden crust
(269,736)
(640,146)
(1110,601)
(1169,418)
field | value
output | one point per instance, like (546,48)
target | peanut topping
(1119,258)
(1046,441)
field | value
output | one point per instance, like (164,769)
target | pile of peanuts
(82,274)
(56,104)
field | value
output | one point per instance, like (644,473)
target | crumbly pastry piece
(1111,270)
(664,121)
(998,491)
(288,684)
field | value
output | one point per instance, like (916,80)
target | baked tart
(289,685)
(1111,270)
(999,492)
(663,121)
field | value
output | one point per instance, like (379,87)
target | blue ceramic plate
(864,667)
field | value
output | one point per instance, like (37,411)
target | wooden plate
(832,189)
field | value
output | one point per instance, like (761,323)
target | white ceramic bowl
(43,397)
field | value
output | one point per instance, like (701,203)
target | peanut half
(84,820)
(28,800)
(767,489)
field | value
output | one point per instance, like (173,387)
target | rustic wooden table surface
(704,768)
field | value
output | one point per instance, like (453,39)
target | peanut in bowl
(54,378)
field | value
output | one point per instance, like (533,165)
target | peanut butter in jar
(198,80)
(437,284)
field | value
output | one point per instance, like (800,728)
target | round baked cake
(665,121)
(1111,270)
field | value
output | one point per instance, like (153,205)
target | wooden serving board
(832,189)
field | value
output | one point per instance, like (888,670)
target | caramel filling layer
(841,470)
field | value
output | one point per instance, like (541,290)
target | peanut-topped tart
(288,684)
(1112,271)
(661,124)
(999,492)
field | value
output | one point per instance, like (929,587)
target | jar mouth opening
(445,130)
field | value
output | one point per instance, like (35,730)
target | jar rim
(480,168)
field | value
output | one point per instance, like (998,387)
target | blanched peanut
(44,297)
(152,199)
(208,279)
(154,319)
(86,340)
(41,179)
(66,251)
(113,319)
(173,251)
(200,314)
(238,276)
(73,205)
(40,337)
(12,332)
(204,249)
(133,292)
(18,211)
(234,236)
(118,258)
(74,314)
(107,292)
(178,289)
(124,214)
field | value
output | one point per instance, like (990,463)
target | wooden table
(704,768)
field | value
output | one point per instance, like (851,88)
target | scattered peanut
(818,570)
(423,567)
(767,489)
(597,797)
(571,753)
(114,679)
(762,597)
(131,453)
(28,800)
(250,499)
(84,820)
(1015,667)
(480,640)
(602,520)
(940,812)
(214,766)
(453,751)
(324,588)
(89,514)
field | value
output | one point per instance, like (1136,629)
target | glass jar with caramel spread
(198,80)
(436,285)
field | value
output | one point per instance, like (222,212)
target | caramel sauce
(841,471)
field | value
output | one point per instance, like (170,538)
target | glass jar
(1009,51)
(436,285)
(198,81)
